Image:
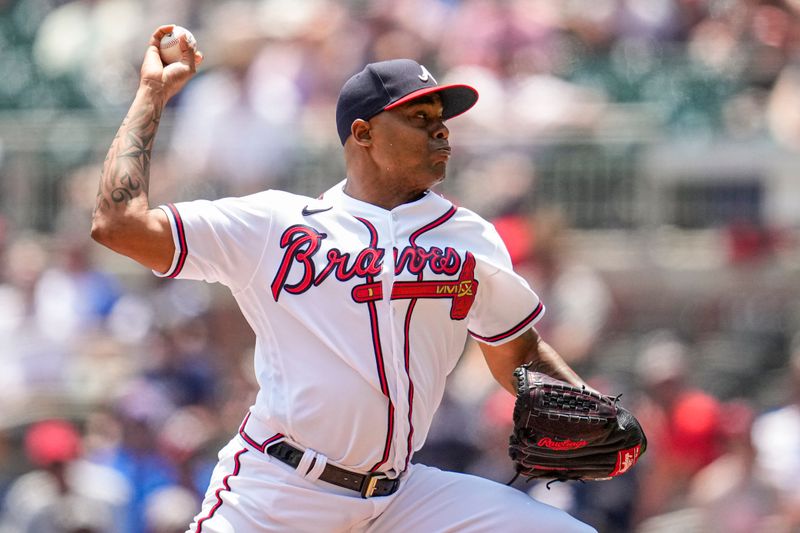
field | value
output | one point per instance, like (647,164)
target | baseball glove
(563,432)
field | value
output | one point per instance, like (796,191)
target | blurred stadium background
(640,158)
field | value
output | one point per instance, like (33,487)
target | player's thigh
(250,491)
(432,500)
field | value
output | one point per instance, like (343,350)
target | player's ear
(360,129)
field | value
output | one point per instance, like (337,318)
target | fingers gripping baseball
(174,75)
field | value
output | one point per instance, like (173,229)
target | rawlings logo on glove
(564,432)
(547,442)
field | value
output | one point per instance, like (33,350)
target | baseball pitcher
(361,301)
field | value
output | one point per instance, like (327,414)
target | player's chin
(439,169)
(438,174)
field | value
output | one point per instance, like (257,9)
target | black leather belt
(367,485)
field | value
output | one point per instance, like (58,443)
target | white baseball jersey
(360,313)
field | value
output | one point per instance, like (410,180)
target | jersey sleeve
(219,241)
(505,305)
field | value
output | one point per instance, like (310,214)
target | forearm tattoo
(126,169)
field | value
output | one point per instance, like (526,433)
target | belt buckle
(370,484)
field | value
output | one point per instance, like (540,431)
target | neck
(385,185)
(385,195)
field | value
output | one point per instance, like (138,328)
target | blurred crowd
(117,388)
(274,67)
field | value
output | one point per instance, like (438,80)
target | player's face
(411,142)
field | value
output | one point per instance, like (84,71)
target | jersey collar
(429,203)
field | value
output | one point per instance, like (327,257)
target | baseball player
(361,301)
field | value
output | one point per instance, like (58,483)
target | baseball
(169,47)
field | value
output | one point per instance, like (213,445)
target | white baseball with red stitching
(169,48)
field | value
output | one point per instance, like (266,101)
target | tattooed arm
(123,220)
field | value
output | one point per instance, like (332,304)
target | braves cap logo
(425,76)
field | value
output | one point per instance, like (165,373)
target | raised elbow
(102,231)
(97,229)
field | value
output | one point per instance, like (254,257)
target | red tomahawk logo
(462,291)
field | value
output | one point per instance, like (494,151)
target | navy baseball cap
(387,84)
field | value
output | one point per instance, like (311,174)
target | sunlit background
(639,157)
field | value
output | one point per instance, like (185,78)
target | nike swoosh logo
(307,211)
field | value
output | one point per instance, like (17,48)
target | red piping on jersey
(407,326)
(376,345)
(406,353)
(527,320)
(183,249)
(225,486)
(249,440)
(438,222)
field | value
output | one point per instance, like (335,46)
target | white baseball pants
(252,492)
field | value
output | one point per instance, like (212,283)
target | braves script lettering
(415,259)
(302,243)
